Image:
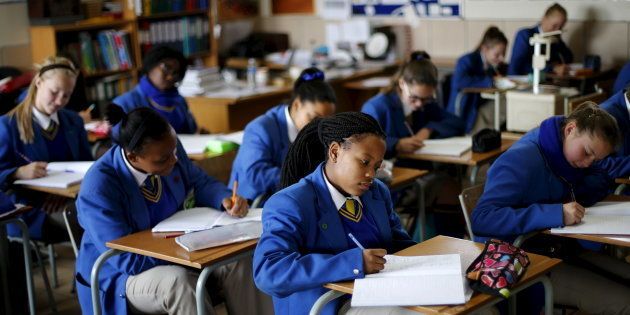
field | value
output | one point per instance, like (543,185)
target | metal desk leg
(203,278)
(318,306)
(620,189)
(75,248)
(473,174)
(497,111)
(26,246)
(96,298)
(421,221)
(546,282)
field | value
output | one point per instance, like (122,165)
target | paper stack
(198,80)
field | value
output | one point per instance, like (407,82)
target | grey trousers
(171,289)
(485,116)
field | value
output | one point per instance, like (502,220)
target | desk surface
(623,180)
(70,192)
(468,158)
(152,245)
(447,245)
(402,176)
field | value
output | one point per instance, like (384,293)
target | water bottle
(251,73)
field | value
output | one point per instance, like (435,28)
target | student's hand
(53,203)
(373,260)
(31,170)
(572,213)
(86,115)
(561,69)
(238,209)
(424,134)
(408,145)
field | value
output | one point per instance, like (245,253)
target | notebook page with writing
(221,235)
(606,218)
(199,219)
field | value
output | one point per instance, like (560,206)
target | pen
(24,157)
(409,129)
(234,188)
(355,241)
(91,108)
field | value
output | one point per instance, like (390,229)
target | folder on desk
(219,236)
(455,146)
(606,218)
(414,280)
(199,219)
(54,179)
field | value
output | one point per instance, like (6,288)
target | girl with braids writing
(407,109)
(133,187)
(329,192)
(478,69)
(267,138)
(37,131)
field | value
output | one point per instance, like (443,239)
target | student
(618,165)
(623,79)
(39,130)
(305,241)
(267,138)
(133,187)
(407,109)
(545,180)
(561,56)
(163,67)
(478,69)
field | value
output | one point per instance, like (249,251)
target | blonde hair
(23,112)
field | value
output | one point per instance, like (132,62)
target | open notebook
(455,146)
(199,219)
(608,218)
(221,235)
(415,280)
(60,175)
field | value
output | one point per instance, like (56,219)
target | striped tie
(152,188)
(352,210)
(51,132)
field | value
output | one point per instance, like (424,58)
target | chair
(468,200)
(571,103)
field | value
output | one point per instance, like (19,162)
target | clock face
(377,45)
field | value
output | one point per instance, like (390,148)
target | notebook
(54,179)
(415,280)
(219,236)
(455,146)
(195,144)
(236,137)
(608,218)
(76,167)
(199,219)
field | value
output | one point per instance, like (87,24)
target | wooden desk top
(360,85)
(156,246)
(402,176)
(70,192)
(623,180)
(231,100)
(448,245)
(468,158)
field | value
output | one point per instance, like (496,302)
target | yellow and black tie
(152,188)
(51,132)
(352,210)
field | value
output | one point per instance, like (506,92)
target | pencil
(24,157)
(234,188)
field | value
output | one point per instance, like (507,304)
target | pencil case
(220,146)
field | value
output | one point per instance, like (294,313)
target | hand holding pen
(30,170)
(373,260)
(236,206)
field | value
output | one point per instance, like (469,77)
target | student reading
(134,186)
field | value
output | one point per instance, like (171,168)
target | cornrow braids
(311,145)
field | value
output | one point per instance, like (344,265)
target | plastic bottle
(251,73)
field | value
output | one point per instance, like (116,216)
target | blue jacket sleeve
(465,76)
(281,265)
(443,123)
(594,187)
(501,210)
(380,115)
(622,79)
(256,163)
(208,191)
(520,62)
(7,153)
(616,166)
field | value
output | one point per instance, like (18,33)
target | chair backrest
(468,200)
(574,102)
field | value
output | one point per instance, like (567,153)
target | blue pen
(355,241)
(24,157)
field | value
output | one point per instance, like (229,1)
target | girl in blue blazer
(561,56)
(618,165)
(623,79)
(37,131)
(135,185)
(545,180)
(267,138)
(330,191)
(163,67)
(478,69)
(407,110)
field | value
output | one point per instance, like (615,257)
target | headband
(56,66)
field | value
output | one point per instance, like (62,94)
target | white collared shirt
(625,97)
(338,198)
(140,177)
(292,130)
(43,120)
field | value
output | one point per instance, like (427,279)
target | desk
(536,272)
(147,244)
(583,79)
(403,177)
(71,192)
(361,91)
(217,165)
(469,158)
(623,183)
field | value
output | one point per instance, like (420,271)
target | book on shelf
(106,50)
(106,88)
(149,7)
(190,35)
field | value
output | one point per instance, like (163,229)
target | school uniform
(170,104)
(618,165)
(522,52)
(259,159)
(623,79)
(65,140)
(305,241)
(471,71)
(117,200)
(388,110)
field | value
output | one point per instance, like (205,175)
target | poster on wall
(421,8)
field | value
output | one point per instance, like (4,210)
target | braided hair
(311,145)
(138,128)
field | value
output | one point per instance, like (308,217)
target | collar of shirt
(625,97)
(43,120)
(338,198)
(140,177)
(292,130)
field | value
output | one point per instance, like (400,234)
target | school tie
(152,188)
(51,132)
(352,210)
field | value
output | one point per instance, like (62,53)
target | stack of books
(108,50)
(198,81)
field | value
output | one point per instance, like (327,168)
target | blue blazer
(522,193)
(623,79)
(110,205)
(469,72)
(10,144)
(304,246)
(136,99)
(387,109)
(618,165)
(522,52)
(259,159)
